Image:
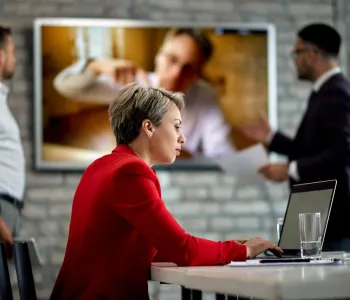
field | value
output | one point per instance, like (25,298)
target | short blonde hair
(135,103)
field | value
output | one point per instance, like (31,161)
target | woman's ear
(147,128)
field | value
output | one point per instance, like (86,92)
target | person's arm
(293,170)
(335,122)
(78,82)
(162,257)
(147,213)
(6,237)
(280,143)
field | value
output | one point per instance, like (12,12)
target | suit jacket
(119,225)
(321,148)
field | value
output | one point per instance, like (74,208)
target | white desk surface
(270,282)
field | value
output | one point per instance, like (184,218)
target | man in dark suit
(321,147)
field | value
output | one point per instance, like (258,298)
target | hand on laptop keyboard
(256,245)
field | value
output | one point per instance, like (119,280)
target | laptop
(303,198)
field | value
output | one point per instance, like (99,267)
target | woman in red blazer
(119,223)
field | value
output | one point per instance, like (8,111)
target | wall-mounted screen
(226,71)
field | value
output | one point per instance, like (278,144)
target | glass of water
(310,235)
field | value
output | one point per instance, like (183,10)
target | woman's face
(167,138)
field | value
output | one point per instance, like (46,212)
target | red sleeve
(145,211)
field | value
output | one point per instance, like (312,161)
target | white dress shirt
(12,163)
(204,127)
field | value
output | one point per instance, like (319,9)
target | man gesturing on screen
(178,67)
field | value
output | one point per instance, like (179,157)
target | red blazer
(119,225)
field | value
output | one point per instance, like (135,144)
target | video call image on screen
(73,103)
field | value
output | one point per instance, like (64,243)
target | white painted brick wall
(206,204)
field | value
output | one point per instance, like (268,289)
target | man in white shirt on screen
(178,67)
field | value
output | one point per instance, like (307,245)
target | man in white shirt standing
(178,67)
(321,148)
(12,164)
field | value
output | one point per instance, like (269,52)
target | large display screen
(235,83)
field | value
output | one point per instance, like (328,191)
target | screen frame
(309,187)
(180,165)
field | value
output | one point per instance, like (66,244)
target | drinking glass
(310,235)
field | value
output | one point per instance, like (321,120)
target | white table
(277,282)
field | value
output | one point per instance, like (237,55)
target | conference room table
(263,282)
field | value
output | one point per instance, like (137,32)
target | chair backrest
(25,278)
(5,283)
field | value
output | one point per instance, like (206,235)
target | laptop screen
(311,197)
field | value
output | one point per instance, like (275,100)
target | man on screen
(178,67)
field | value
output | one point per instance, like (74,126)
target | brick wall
(207,204)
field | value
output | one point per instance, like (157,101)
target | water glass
(310,235)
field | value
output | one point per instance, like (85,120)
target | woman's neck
(141,151)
